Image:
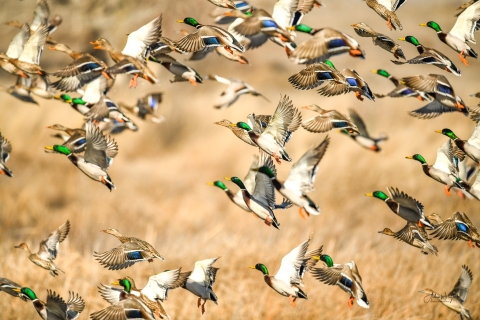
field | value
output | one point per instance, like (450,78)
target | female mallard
(131,250)
(181,71)
(441,90)
(404,206)
(400,90)
(470,147)
(444,170)
(325,43)
(346,276)
(206,38)
(414,236)
(457,227)
(429,56)
(5,150)
(146,107)
(315,75)
(461,33)
(456,298)
(289,277)
(363,138)
(386,9)
(379,39)
(48,250)
(201,280)
(300,179)
(99,154)
(328,120)
(56,307)
(289,13)
(285,120)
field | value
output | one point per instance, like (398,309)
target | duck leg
(277,158)
(355,53)
(133,82)
(199,302)
(106,75)
(300,212)
(389,24)
(462,58)
(358,95)
(447,191)
(268,221)
(228,49)
(292,300)
(460,194)
(350,303)
(192,81)
(203,306)
(470,243)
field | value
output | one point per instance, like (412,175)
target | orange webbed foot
(470,244)
(300,212)
(350,303)
(199,302)
(133,82)
(389,24)
(228,49)
(358,95)
(419,97)
(447,191)
(192,81)
(355,53)
(106,75)
(460,194)
(277,158)
(463,58)
(292,300)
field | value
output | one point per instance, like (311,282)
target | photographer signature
(435,297)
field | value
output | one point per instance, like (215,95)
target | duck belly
(91,170)
(259,210)
(197,288)
(269,145)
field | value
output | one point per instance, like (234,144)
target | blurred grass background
(161,173)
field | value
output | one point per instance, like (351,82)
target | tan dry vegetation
(161,172)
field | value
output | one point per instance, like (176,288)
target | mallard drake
(429,56)
(289,13)
(404,206)
(237,131)
(470,147)
(457,227)
(400,90)
(328,120)
(5,150)
(414,236)
(48,250)
(444,170)
(285,120)
(363,138)
(201,280)
(466,170)
(206,38)
(131,250)
(325,43)
(84,69)
(235,88)
(56,307)
(456,298)
(346,276)
(182,72)
(146,107)
(461,33)
(300,179)
(441,90)
(99,153)
(76,140)
(7,286)
(229,4)
(386,9)
(289,277)
(379,39)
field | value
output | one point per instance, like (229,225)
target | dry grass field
(161,173)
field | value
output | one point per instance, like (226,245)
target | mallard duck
(400,90)
(461,33)
(444,170)
(105,45)
(7,286)
(466,170)
(84,69)
(48,250)
(456,298)
(56,307)
(414,236)
(328,120)
(135,50)
(315,75)
(289,277)
(465,6)
(457,227)
(14,51)
(235,88)
(429,56)
(76,140)
(379,39)
(346,276)
(289,13)
(470,147)
(224,3)
(146,107)
(21,90)
(182,72)
(201,280)
(441,90)
(325,43)
(363,138)
(99,153)
(237,131)
(206,38)
(404,206)
(386,9)
(5,150)
(131,250)
(284,121)
(300,179)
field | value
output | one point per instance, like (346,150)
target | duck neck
(394,80)
(426,168)
(277,184)
(392,204)
(442,36)
(420,48)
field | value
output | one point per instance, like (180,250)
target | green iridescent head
(267,171)
(78,101)
(329,63)
(237,181)
(303,28)
(447,132)
(125,283)
(60,149)
(242,125)
(64,97)
(378,194)
(190,21)
(29,293)
(382,72)
(417,157)
(411,39)
(327,259)
(433,25)
(261,267)
(219,184)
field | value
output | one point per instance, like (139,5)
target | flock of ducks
(92,149)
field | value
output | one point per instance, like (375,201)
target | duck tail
(472,53)
(302,294)
(285,156)
(312,208)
